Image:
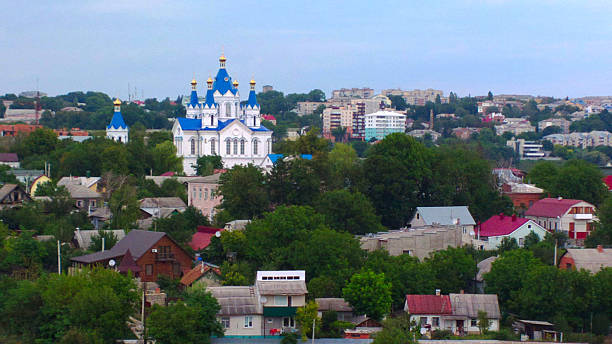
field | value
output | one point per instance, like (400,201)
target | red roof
(198,271)
(608,181)
(167,174)
(201,238)
(429,304)
(9,157)
(551,207)
(501,225)
(269,117)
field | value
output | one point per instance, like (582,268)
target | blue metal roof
(194,99)
(210,99)
(117,122)
(275,157)
(223,82)
(196,124)
(252,102)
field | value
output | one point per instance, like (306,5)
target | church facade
(219,124)
(117,130)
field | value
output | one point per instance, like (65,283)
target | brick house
(202,194)
(154,253)
(591,259)
(523,196)
(572,216)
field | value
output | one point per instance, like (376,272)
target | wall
(163,267)
(203,199)
(237,328)
(518,234)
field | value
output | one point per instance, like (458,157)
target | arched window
(255,147)
(212,147)
(228,147)
(193,146)
(228,109)
(242,146)
(235,146)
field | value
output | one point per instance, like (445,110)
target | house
(537,331)
(38,182)
(161,207)
(457,313)
(591,259)
(418,242)
(154,253)
(84,198)
(522,195)
(267,308)
(201,238)
(92,183)
(236,225)
(26,177)
(572,216)
(83,238)
(271,159)
(363,330)
(9,159)
(12,195)
(498,227)
(202,194)
(269,118)
(445,216)
(100,216)
(203,273)
(342,308)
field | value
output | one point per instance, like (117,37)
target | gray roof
(137,241)
(446,215)
(7,189)
(162,202)
(337,304)
(85,181)
(469,305)
(212,179)
(236,300)
(83,238)
(484,267)
(103,213)
(281,287)
(590,258)
(80,191)
(160,179)
(276,340)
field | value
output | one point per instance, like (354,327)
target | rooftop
(551,207)
(446,216)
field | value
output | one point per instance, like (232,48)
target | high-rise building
(382,123)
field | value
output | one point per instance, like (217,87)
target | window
(473,322)
(205,194)
(289,322)
(228,147)
(225,322)
(255,147)
(435,321)
(280,300)
(242,146)
(248,321)
(176,269)
(528,226)
(200,193)
(193,146)
(149,269)
(228,108)
(521,241)
(423,321)
(212,147)
(235,146)
(408,252)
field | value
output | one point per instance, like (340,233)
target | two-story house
(445,216)
(202,194)
(572,216)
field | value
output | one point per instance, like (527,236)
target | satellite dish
(218,234)
(111,263)
(263,299)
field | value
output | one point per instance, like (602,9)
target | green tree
(602,234)
(110,239)
(350,212)
(305,316)
(205,165)
(244,192)
(294,182)
(40,141)
(339,134)
(453,268)
(181,226)
(483,322)
(165,158)
(489,96)
(124,208)
(398,330)
(544,174)
(508,244)
(579,179)
(369,293)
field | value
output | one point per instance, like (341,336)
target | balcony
(583,216)
(165,257)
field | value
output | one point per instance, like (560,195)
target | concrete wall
(237,328)
(417,243)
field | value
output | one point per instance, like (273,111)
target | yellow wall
(40,180)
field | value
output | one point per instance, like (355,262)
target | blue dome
(223,82)
(252,102)
(210,99)
(117,122)
(193,101)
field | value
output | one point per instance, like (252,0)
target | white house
(498,227)
(220,125)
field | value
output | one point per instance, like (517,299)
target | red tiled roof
(198,271)
(501,225)
(608,181)
(551,207)
(168,174)
(201,238)
(429,304)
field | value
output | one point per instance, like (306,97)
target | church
(117,130)
(219,124)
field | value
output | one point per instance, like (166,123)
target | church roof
(252,102)
(194,99)
(117,122)
(210,99)
(223,82)
(196,124)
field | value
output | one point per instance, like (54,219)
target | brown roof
(590,258)
(79,191)
(281,288)
(137,241)
(6,189)
(337,304)
(236,300)
(9,157)
(469,304)
(198,271)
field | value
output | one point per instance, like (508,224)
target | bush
(505,334)
(289,338)
(583,338)
(441,334)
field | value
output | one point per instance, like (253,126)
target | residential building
(572,216)
(26,177)
(9,159)
(36,183)
(417,97)
(12,195)
(17,129)
(146,254)
(583,140)
(203,273)
(307,108)
(556,122)
(269,118)
(201,238)
(267,88)
(494,117)
(240,313)
(457,313)
(465,133)
(421,133)
(527,149)
(382,123)
(342,308)
(92,183)
(363,330)
(417,242)
(161,207)
(523,196)
(484,266)
(537,331)
(117,130)
(508,175)
(236,225)
(84,198)
(159,180)
(483,105)
(590,259)
(220,125)
(202,194)
(83,238)
(455,216)
(498,227)
(516,126)
(349,93)
(335,117)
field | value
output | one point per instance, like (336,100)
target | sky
(544,47)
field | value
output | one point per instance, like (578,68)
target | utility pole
(59,258)
(144,328)
(313,328)
(102,244)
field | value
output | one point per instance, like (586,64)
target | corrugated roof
(137,241)
(551,207)
(281,288)
(484,267)
(7,189)
(198,271)
(80,191)
(213,179)
(83,237)
(85,181)
(201,239)
(337,304)
(446,216)
(236,300)
(429,304)
(469,304)
(590,258)
(501,224)
(162,202)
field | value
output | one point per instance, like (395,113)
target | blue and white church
(219,125)
(117,130)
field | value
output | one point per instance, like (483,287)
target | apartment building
(382,123)
(365,92)
(583,140)
(557,122)
(516,126)
(337,116)
(307,108)
(417,97)
(527,149)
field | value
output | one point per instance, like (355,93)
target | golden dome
(117,102)
(235,83)
(252,82)
(194,82)
(210,80)
(222,58)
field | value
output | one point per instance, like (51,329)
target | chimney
(437,292)
(599,248)
(501,216)
(513,217)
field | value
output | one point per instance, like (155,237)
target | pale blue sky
(539,47)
